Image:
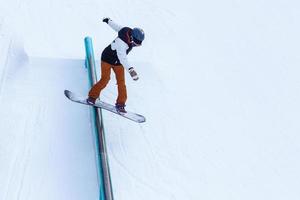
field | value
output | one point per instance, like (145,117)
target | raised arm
(112,24)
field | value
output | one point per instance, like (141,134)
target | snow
(219,86)
(46,144)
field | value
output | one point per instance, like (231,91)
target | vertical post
(103,166)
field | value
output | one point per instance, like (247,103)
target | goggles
(136,42)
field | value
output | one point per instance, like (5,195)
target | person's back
(109,54)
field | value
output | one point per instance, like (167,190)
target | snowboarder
(114,56)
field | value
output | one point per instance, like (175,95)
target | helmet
(138,36)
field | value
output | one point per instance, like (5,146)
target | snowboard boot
(120,108)
(91,100)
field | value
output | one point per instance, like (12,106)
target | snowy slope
(235,66)
(46,145)
(46,149)
(218,84)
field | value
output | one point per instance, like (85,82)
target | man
(114,56)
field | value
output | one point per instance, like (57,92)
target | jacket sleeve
(121,48)
(114,25)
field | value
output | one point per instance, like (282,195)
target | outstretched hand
(106,19)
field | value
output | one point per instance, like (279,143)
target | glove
(106,19)
(133,74)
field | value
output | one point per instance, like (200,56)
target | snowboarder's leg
(120,76)
(105,77)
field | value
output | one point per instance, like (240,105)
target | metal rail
(105,185)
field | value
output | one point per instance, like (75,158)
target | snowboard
(100,104)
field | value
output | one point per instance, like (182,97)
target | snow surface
(219,86)
(46,145)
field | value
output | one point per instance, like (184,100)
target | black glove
(106,19)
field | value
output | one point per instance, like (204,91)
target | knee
(104,80)
(120,81)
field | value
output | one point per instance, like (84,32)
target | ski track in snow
(22,157)
(140,181)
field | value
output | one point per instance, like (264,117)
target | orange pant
(105,77)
